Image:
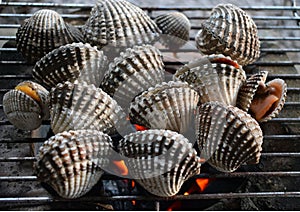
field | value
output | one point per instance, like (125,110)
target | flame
(132,183)
(121,167)
(140,127)
(133,202)
(202,183)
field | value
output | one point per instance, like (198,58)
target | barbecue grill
(279,31)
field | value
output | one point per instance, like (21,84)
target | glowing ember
(202,183)
(140,128)
(121,168)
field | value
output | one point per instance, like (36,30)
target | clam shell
(166,106)
(119,23)
(43,32)
(159,160)
(227,136)
(70,62)
(230,31)
(248,90)
(133,72)
(177,26)
(71,162)
(76,106)
(215,77)
(282,92)
(26,105)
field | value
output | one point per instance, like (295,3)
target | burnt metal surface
(271,184)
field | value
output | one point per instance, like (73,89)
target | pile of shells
(91,98)
(43,32)
(230,31)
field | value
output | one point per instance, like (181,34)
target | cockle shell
(215,77)
(119,23)
(159,160)
(227,136)
(177,26)
(230,31)
(166,106)
(70,62)
(262,100)
(76,106)
(133,72)
(43,32)
(26,105)
(72,162)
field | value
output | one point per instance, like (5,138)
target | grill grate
(279,30)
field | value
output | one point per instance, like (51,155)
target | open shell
(43,32)
(71,163)
(70,62)
(26,106)
(76,106)
(133,72)
(159,160)
(262,100)
(177,26)
(119,23)
(166,106)
(215,77)
(230,31)
(227,136)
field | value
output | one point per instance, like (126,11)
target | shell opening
(266,100)
(27,89)
(226,61)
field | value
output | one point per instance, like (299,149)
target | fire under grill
(271,184)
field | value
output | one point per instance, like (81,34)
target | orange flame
(202,183)
(121,167)
(132,183)
(140,127)
(133,202)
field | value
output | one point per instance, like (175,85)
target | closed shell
(70,62)
(26,106)
(159,160)
(215,77)
(227,136)
(119,23)
(72,162)
(166,106)
(43,32)
(177,26)
(76,106)
(230,31)
(133,72)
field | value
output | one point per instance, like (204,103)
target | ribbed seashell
(227,136)
(215,77)
(229,31)
(43,32)
(72,162)
(70,62)
(26,105)
(159,160)
(76,106)
(168,106)
(267,99)
(177,26)
(249,88)
(133,72)
(119,23)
